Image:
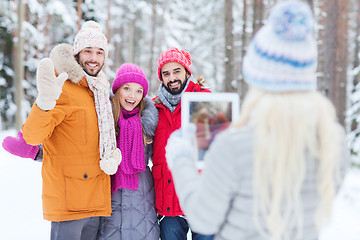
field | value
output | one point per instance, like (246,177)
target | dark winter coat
(133,212)
(167,203)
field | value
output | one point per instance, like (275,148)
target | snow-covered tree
(139,30)
(7,74)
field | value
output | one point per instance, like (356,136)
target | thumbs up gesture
(49,86)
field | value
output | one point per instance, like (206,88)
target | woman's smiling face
(130,95)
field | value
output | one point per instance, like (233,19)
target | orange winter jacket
(74,186)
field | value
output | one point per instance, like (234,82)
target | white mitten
(111,163)
(181,143)
(49,86)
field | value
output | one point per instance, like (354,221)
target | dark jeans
(176,228)
(82,229)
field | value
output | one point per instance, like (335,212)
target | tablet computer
(211,113)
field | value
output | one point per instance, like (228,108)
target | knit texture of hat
(130,73)
(283,54)
(174,55)
(90,35)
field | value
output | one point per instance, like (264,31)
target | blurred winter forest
(215,32)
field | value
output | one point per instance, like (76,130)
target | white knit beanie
(90,35)
(283,54)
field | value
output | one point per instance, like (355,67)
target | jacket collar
(192,87)
(64,61)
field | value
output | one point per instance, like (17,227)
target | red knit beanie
(130,73)
(174,55)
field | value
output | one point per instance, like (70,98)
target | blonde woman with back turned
(275,172)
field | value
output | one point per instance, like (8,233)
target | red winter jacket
(166,200)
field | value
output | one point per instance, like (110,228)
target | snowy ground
(21,210)
(20,201)
(345,220)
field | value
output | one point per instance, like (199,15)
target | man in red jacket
(175,76)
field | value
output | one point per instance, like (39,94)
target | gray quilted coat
(133,212)
(226,187)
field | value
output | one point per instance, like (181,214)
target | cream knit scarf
(110,156)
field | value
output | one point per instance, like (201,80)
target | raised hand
(49,86)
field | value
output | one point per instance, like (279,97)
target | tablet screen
(211,113)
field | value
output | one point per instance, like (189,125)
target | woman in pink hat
(132,186)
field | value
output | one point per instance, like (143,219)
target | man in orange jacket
(72,118)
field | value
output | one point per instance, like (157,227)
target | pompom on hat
(90,35)
(174,55)
(283,54)
(130,73)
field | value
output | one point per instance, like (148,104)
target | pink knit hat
(130,73)
(174,55)
(90,35)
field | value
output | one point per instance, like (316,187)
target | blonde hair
(117,111)
(289,127)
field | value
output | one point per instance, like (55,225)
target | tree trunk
(108,28)
(118,56)
(320,19)
(79,13)
(132,37)
(19,92)
(243,85)
(311,3)
(335,55)
(258,9)
(151,66)
(356,65)
(118,40)
(47,45)
(229,46)
(356,62)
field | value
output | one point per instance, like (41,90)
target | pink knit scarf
(130,142)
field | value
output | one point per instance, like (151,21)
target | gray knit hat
(283,54)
